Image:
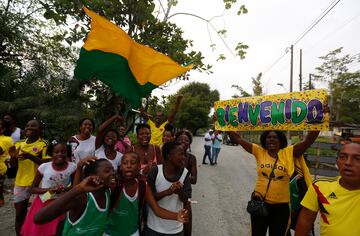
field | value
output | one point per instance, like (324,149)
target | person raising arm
(157,126)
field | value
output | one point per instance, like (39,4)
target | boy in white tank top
(171,188)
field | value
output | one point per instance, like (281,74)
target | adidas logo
(332,195)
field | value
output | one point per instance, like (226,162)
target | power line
(322,15)
(277,60)
(318,19)
(330,34)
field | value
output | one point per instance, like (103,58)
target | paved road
(222,192)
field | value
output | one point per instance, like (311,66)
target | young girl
(123,142)
(168,134)
(86,204)
(5,143)
(28,154)
(83,144)
(149,154)
(51,179)
(185,138)
(124,217)
(171,188)
(105,143)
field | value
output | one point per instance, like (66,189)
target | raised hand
(86,161)
(90,184)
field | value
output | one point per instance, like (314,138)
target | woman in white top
(105,143)
(83,144)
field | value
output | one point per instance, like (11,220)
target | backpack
(116,192)
(298,190)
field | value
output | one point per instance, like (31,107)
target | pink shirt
(121,145)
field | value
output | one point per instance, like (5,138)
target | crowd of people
(100,184)
(106,185)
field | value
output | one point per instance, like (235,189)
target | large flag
(132,70)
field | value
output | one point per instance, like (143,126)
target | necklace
(146,152)
(141,149)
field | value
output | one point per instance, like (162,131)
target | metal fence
(323,164)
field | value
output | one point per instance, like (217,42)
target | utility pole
(291,67)
(300,74)
(291,83)
(309,81)
(301,133)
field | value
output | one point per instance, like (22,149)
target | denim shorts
(21,193)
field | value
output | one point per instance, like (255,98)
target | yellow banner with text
(289,111)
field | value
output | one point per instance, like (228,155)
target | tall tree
(34,69)
(27,38)
(346,93)
(334,71)
(257,87)
(195,107)
(243,93)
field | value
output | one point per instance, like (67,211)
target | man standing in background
(207,146)
(216,146)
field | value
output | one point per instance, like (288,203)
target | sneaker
(204,163)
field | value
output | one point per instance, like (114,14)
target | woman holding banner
(275,165)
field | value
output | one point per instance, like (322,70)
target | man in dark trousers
(207,146)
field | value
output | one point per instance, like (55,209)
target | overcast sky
(268,28)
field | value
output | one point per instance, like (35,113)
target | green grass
(323,152)
(295,139)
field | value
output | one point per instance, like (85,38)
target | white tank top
(171,203)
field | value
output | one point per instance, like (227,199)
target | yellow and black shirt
(278,191)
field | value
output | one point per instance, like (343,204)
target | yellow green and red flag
(132,70)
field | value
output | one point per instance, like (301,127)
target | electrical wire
(332,33)
(322,15)
(318,19)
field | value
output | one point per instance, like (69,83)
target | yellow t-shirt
(278,191)
(5,143)
(342,205)
(156,133)
(27,168)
